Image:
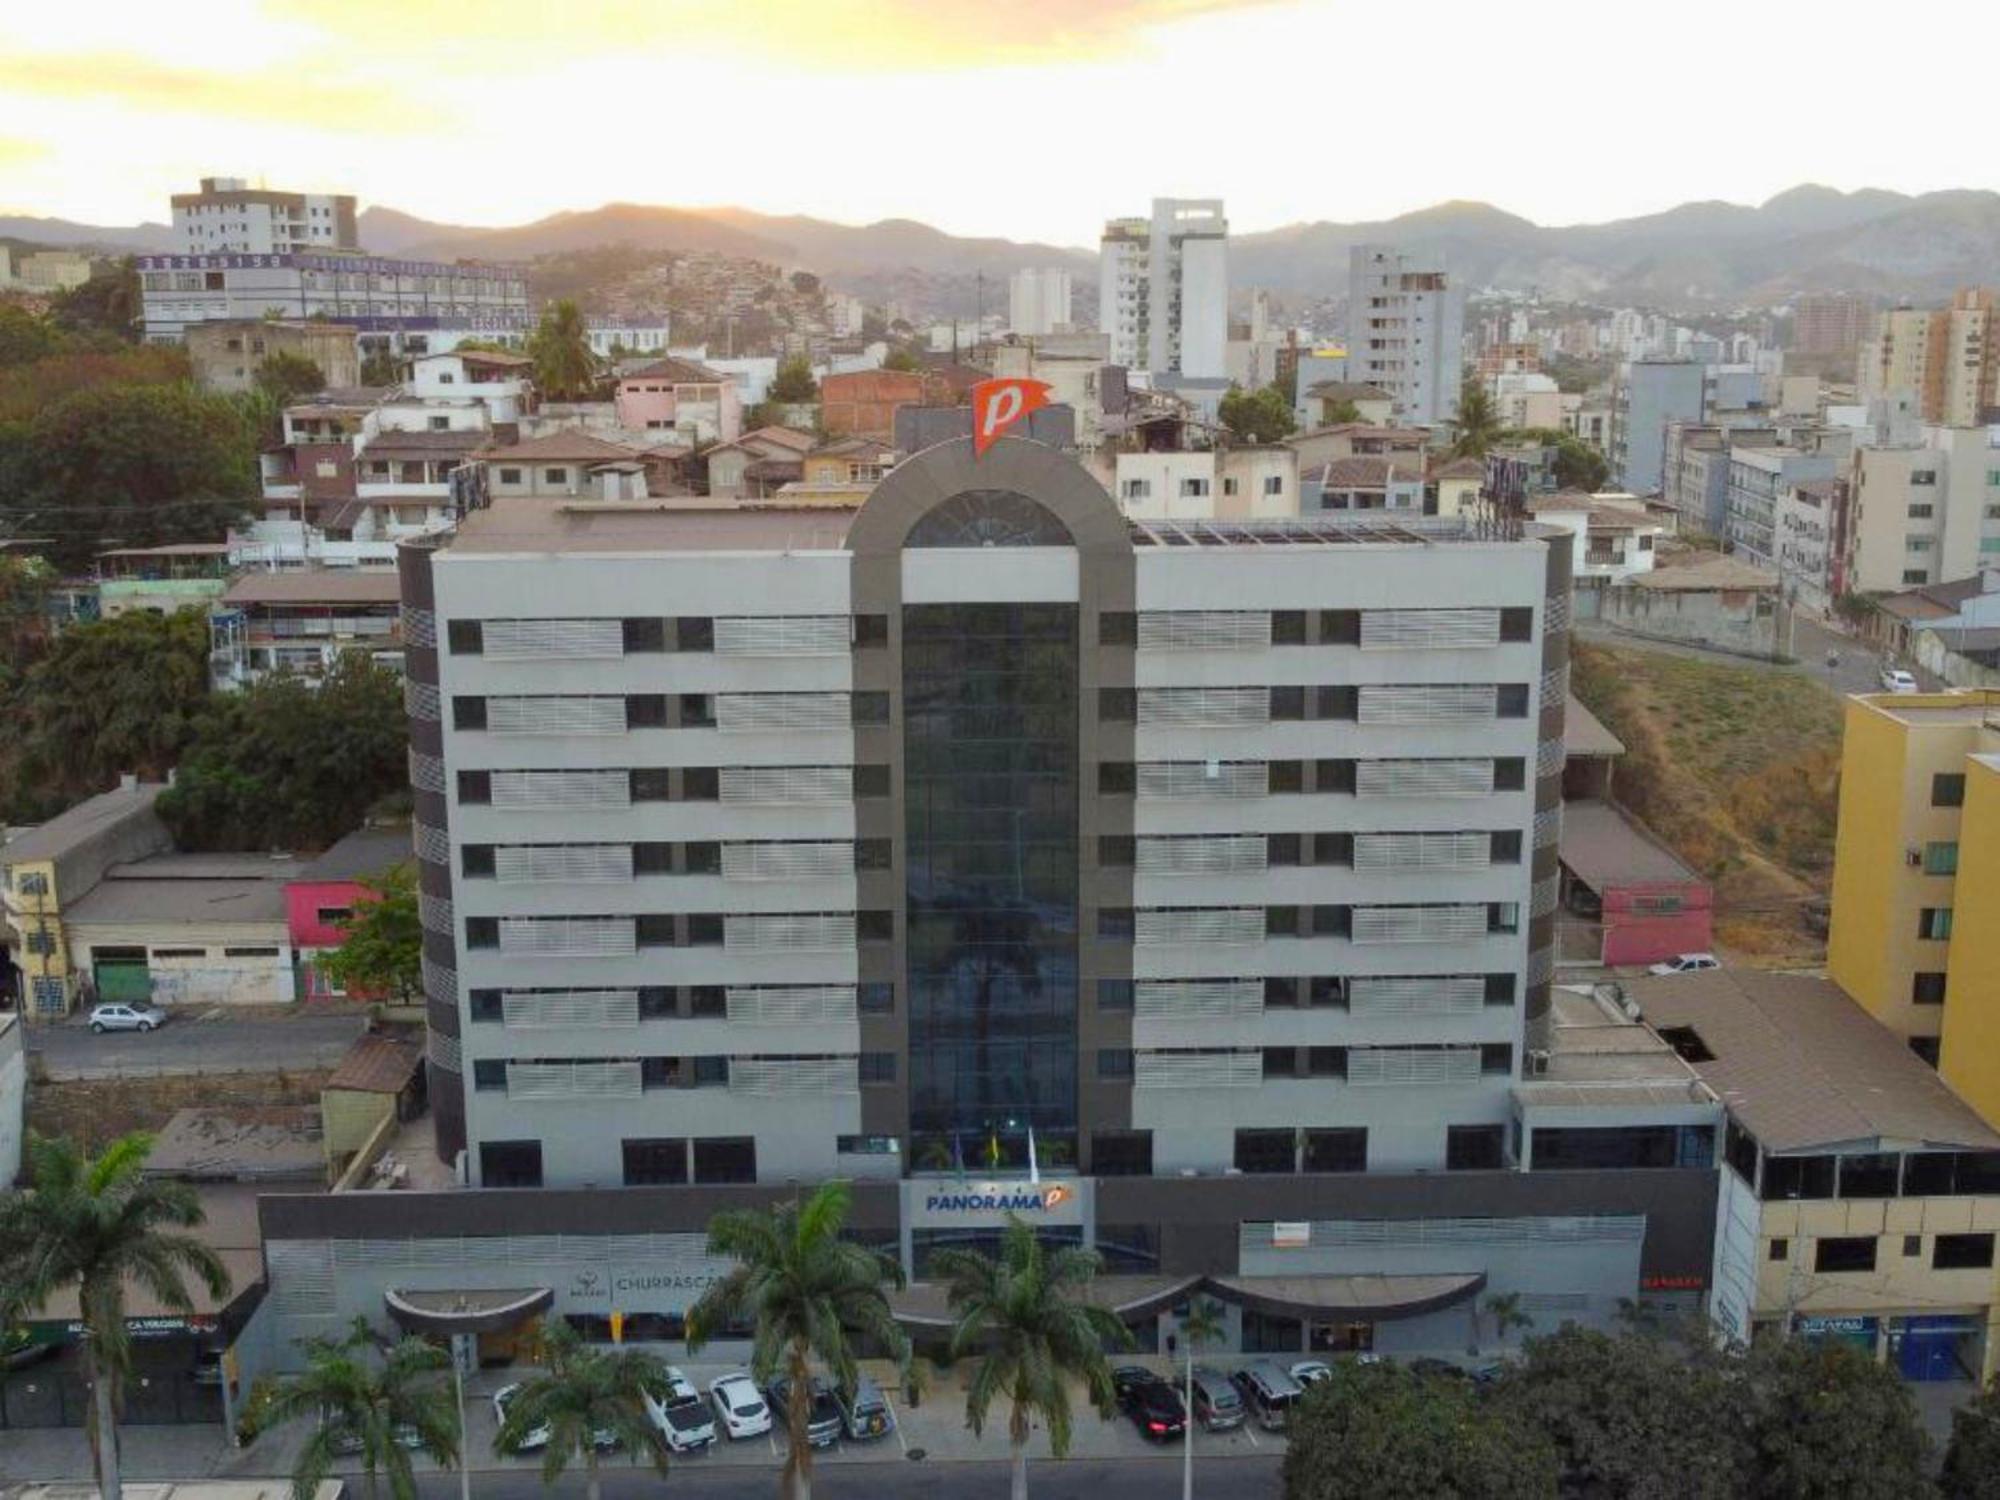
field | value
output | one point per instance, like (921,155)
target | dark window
(655,1160)
(649,784)
(1780,1249)
(1114,1062)
(1506,846)
(1281,848)
(645,633)
(1517,623)
(1280,992)
(1873,1175)
(1326,1062)
(1496,1058)
(467,637)
(468,713)
(878,1067)
(1913,1244)
(1788,1177)
(1114,994)
(1288,627)
(709,1072)
(871,631)
(870,708)
(1116,851)
(654,930)
(1503,916)
(1281,1062)
(1121,1153)
(704,930)
(1739,1149)
(656,1002)
(729,1158)
(1962,1252)
(1934,923)
(486,1005)
(871,781)
(693,710)
(476,860)
(876,998)
(1604,1147)
(1340,701)
(1266,1151)
(1499,989)
(482,932)
(1926,1047)
(510,1164)
(1328,992)
(1340,627)
(646,711)
(1844,1253)
(1511,700)
(1474,1148)
(1116,778)
(988,518)
(1948,789)
(1117,627)
(1333,849)
(652,859)
(1332,921)
(1333,776)
(708,1002)
(1281,921)
(1114,921)
(1927,988)
(489,1073)
(1510,773)
(475,787)
(694,633)
(873,854)
(1288,703)
(701,784)
(1337,1150)
(1285,776)
(875,926)
(704,857)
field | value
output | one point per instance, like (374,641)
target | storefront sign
(951,1203)
(149,1328)
(670,1288)
(1672,1283)
(999,1197)
(1844,1328)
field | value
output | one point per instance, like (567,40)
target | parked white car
(115,1016)
(1686,963)
(680,1414)
(739,1405)
(531,1440)
(1311,1371)
(1896,680)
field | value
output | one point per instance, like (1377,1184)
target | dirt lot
(1738,769)
(95,1111)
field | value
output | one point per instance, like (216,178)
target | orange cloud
(139,84)
(853,35)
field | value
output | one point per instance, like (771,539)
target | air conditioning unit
(1538,1061)
(1913,857)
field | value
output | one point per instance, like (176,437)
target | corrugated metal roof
(317,586)
(1584,733)
(1604,848)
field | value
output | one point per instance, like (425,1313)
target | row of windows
(1121,777)
(710,1071)
(668,710)
(678,783)
(1118,851)
(684,929)
(671,1002)
(703,1159)
(1872,1175)
(1838,1253)
(1308,921)
(1301,627)
(1468,1148)
(643,634)
(699,857)
(1338,701)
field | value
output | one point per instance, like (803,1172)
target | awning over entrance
(1376,1298)
(476,1310)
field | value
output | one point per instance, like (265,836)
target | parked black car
(823,1421)
(1153,1405)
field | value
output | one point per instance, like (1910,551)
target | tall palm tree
(809,1293)
(565,369)
(96,1223)
(586,1400)
(1478,422)
(1024,1315)
(371,1397)
(1202,1324)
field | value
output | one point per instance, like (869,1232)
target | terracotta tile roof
(1364,472)
(567,446)
(317,586)
(1460,468)
(1713,571)
(376,1065)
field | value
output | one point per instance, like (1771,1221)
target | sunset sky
(1032,119)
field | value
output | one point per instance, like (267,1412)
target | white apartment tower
(1163,289)
(229,217)
(1406,325)
(1038,301)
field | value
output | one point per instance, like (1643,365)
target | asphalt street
(197,1041)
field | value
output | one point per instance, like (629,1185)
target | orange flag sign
(999,404)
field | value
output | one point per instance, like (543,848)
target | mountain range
(1808,238)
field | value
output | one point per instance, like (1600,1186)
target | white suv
(1686,963)
(738,1404)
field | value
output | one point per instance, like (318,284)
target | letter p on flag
(999,404)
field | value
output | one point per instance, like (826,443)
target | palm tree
(586,1400)
(371,1397)
(1478,422)
(1201,1325)
(96,1223)
(1507,1315)
(809,1293)
(1024,1314)
(565,369)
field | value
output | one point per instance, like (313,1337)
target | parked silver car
(116,1015)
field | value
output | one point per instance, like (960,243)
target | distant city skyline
(104,112)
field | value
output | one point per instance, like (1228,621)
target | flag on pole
(1034,1169)
(999,404)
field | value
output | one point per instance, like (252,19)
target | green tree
(289,763)
(565,369)
(1505,1310)
(1829,1423)
(1202,1325)
(804,283)
(111,697)
(1259,416)
(794,381)
(1380,1432)
(106,308)
(1477,422)
(903,359)
(1632,1417)
(1023,1313)
(284,377)
(381,951)
(1972,1459)
(139,465)
(380,368)
(1576,465)
(98,1224)
(25,582)
(809,1294)
(366,1396)
(26,338)
(586,1399)
(1339,412)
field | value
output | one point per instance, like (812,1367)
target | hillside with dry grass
(1738,769)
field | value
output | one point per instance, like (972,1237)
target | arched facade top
(946,472)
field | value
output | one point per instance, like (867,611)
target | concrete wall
(13,1096)
(1743,622)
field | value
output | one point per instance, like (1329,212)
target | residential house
(757,463)
(325,893)
(1371,483)
(301,620)
(571,464)
(1319,445)
(160,580)
(1327,399)
(227,356)
(1814,530)
(682,397)
(853,461)
(1611,541)
(1699,599)
(1250,480)
(864,403)
(497,380)
(1454,486)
